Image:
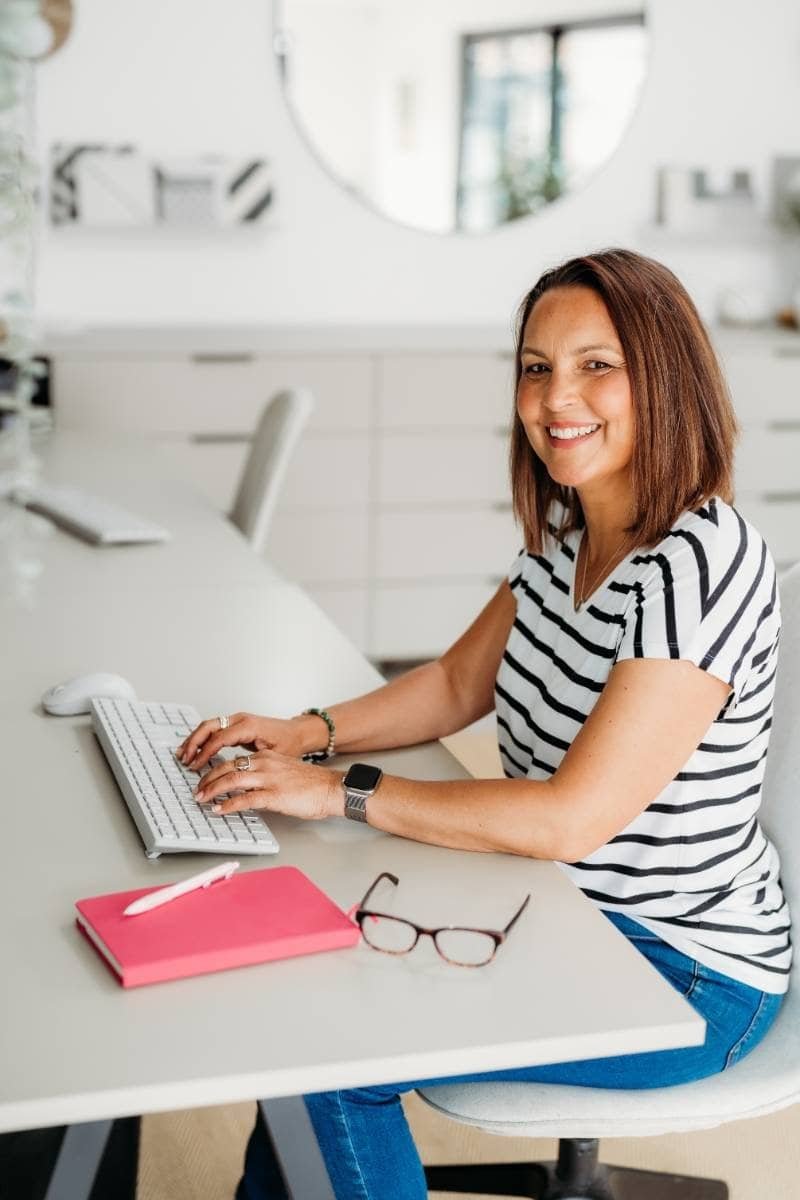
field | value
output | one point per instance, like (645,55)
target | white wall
(183,76)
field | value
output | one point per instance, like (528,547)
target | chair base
(576,1175)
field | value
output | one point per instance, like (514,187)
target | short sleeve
(709,598)
(515,571)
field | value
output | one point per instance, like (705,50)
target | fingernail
(215,808)
(198,793)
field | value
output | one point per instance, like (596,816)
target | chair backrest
(780,812)
(277,433)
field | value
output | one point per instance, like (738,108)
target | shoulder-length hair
(684,423)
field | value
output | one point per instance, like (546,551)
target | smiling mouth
(570,433)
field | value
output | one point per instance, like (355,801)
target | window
(541,109)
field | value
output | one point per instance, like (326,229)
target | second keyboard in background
(90,517)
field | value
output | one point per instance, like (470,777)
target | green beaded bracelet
(321,755)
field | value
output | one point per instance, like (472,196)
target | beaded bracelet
(321,755)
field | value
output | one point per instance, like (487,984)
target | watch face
(362,777)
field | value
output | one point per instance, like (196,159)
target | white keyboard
(90,517)
(139,740)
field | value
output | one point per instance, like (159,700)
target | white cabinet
(763,374)
(400,478)
(453,391)
(205,393)
(420,620)
(461,544)
(395,512)
(442,467)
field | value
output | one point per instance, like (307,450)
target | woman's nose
(561,391)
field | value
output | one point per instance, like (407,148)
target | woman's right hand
(294,737)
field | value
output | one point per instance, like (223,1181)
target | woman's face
(574,397)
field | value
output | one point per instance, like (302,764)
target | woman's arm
(427,703)
(649,719)
(435,699)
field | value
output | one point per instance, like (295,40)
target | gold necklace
(599,575)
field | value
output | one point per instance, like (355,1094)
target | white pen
(164,895)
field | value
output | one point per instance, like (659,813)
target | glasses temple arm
(383,875)
(517,914)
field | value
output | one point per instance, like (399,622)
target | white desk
(200,620)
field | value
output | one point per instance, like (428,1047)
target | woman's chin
(563,475)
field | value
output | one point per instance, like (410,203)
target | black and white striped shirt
(695,866)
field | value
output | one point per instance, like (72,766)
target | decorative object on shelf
(24,35)
(700,201)
(28,32)
(786,193)
(58,15)
(102,186)
(747,306)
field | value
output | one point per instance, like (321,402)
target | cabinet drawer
(445,390)
(778,522)
(347,607)
(434,545)
(442,468)
(421,622)
(325,472)
(205,395)
(764,383)
(768,460)
(319,547)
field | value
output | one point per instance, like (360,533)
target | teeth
(574,431)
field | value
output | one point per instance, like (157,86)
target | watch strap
(355,804)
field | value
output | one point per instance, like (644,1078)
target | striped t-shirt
(695,866)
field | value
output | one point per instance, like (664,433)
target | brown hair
(685,424)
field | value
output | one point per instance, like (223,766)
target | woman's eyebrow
(577,350)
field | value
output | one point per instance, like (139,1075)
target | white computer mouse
(71,697)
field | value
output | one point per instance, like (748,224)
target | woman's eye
(535,369)
(597,364)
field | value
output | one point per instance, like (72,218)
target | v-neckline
(599,586)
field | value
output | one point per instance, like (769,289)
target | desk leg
(78,1159)
(289,1128)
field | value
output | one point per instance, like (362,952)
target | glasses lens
(465,947)
(389,934)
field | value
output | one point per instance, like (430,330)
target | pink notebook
(255,916)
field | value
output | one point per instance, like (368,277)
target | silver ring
(243,762)
(224,722)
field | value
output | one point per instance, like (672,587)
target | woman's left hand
(273,781)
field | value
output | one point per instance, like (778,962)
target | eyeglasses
(460,945)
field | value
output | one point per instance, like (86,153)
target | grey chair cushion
(769,1078)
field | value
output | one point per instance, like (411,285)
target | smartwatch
(359,783)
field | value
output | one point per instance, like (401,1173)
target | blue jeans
(364,1136)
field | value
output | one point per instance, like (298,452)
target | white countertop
(243,340)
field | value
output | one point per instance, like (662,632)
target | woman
(631,659)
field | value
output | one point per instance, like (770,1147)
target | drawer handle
(203,360)
(784,426)
(780,497)
(502,506)
(220,439)
(788,352)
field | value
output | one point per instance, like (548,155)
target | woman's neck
(607,522)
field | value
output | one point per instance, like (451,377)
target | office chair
(276,435)
(767,1080)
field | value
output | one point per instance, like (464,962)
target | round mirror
(458,114)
